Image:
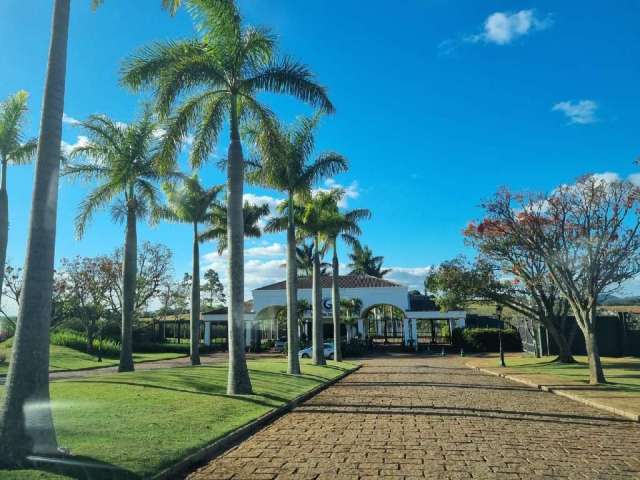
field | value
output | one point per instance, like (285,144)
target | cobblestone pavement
(415,417)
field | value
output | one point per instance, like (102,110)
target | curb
(237,436)
(562,393)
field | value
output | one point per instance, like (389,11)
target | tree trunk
(4,223)
(238,382)
(129,274)
(26,422)
(596,374)
(318,340)
(195,300)
(335,304)
(293,366)
(564,347)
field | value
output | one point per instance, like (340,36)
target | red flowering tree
(587,236)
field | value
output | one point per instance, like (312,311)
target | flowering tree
(587,236)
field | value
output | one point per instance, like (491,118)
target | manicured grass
(64,358)
(147,420)
(622,373)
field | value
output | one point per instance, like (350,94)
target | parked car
(308,352)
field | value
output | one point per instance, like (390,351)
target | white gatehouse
(388,313)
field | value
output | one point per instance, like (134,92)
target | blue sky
(439,103)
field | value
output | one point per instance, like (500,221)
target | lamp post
(499,317)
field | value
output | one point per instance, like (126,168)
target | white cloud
(581,112)
(257,272)
(270,250)
(66,148)
(412,277)
(254,199)
(69,120)
(501,28)
(351,191)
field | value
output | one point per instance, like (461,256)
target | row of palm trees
(198,85)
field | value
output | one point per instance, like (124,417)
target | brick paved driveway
(416,417)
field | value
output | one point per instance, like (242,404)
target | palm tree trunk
(129,275)
(4,223)
(335,307)
(195,300)
(318,340)
(238,382)
(293,367)
(26,422)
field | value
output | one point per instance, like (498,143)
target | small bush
(3,357)
(487,339)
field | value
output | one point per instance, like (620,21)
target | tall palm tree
(351,308)
(124,160)
(284,166)
(343,226)
(28,377)
(312,215)
(364,262)
(13,150)
(227,67)
(192,204)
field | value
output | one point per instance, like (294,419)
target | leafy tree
(192,204)
(284,165)
(15,150)
(226,68)
(364,262)
(587,234)
(214,287)
(124,160)
(28,377)
(153,271)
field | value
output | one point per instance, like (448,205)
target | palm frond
(25,153)
(97,199)
(288,76)
(326,165)
(206,135)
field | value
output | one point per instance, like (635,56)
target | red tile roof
(344,281)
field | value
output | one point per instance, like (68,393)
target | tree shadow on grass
(243,398)
(80,467)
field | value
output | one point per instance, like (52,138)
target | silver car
(308,352)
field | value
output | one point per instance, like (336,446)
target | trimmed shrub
(3,357)
(486,339)
(354,348)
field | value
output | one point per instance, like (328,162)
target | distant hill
(615,300)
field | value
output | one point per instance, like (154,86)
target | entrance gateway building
(388,313)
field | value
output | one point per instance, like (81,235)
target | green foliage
(77,341)
(14,148)
(364,262)
(486,339)
(355,348)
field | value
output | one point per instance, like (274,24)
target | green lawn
(144,421)
(622,373)
(64,358)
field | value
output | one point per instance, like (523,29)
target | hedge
(486,339)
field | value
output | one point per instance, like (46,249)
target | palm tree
(14,150)
(344,226)
(351,307)
(217,223)
(363,262)
(226,68)
(192,204)
(28,377)
(284,166)
(124,160)
(304,260)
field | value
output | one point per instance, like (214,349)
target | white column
(207,333)
(406,331)
(361,328)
